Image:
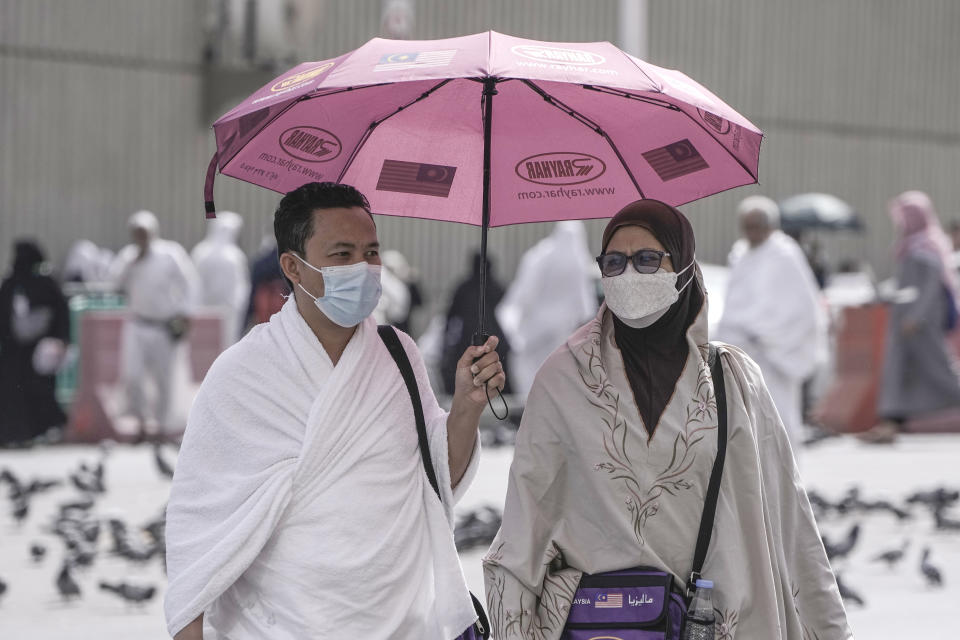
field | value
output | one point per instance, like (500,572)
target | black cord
(506,409)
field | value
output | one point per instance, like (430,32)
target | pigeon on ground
(936,498)
(893,556)
(38,551)
(477,528)
(126,547)
(82,556)
(850,502)
(842,549)
(156,529)
(848,594)
(820,504)
(886,505)
(930,572)
(66,585)
(15,491)
(21,508)
(131,593)
(89,480)
(39,486)
(90,529)
(15,485)
(118,532)
(77,505)
(163,466)
(157,532)
(945,523)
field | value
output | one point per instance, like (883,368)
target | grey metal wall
(100,104)
(856,98)
(98,118)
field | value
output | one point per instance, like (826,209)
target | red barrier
(850,405)
(95,409)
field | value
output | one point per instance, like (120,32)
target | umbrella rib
(722,146)
(576,115)
(668,105)
(376,123)
(289,106)
(657,102)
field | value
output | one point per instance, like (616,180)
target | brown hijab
(654,356)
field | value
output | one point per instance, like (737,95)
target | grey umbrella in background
(810,211)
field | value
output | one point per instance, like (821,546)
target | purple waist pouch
(632,604)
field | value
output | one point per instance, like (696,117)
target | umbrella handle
(478,340)
(208,204)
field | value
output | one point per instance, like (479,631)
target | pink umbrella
(580,130)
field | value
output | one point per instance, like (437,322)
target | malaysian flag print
(675,160)
(609,601)
(416,177)
(415,60)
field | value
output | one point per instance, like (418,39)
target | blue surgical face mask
(350,292)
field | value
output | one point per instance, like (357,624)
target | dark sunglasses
(644,261)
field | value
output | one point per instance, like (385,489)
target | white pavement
(898,603)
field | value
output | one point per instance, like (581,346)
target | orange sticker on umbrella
(300,79)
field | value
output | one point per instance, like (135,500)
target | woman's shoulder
(563,361)
(739,367)
(734,355)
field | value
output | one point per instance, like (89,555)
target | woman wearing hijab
(32,311)
(616,448)
(919,374)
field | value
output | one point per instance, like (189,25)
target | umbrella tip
(211,209)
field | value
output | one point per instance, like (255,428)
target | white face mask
(350,292)
(640,299)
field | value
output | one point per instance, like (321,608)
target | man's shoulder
(785,245)
(236,362)
(409,344)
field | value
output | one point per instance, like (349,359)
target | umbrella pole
(489,90)
(480,337)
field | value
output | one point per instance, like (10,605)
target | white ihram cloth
(300,508)
(554,292)
(224,273)
(773,312)
(158,286)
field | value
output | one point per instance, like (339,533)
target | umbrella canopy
(817,211)
(580,130)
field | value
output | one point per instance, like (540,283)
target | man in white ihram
(553,293)
(224,273)
(772,309)
(161,287)
(300,507)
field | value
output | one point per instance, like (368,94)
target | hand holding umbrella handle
(480,339)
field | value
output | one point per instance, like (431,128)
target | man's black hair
(293,219)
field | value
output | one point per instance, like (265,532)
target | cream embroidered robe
(590,491)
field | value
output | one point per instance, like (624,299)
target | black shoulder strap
(390,338)
(713,490)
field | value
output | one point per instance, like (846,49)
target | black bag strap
(390,338)
(713,489)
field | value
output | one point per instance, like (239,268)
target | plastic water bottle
(700,618)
